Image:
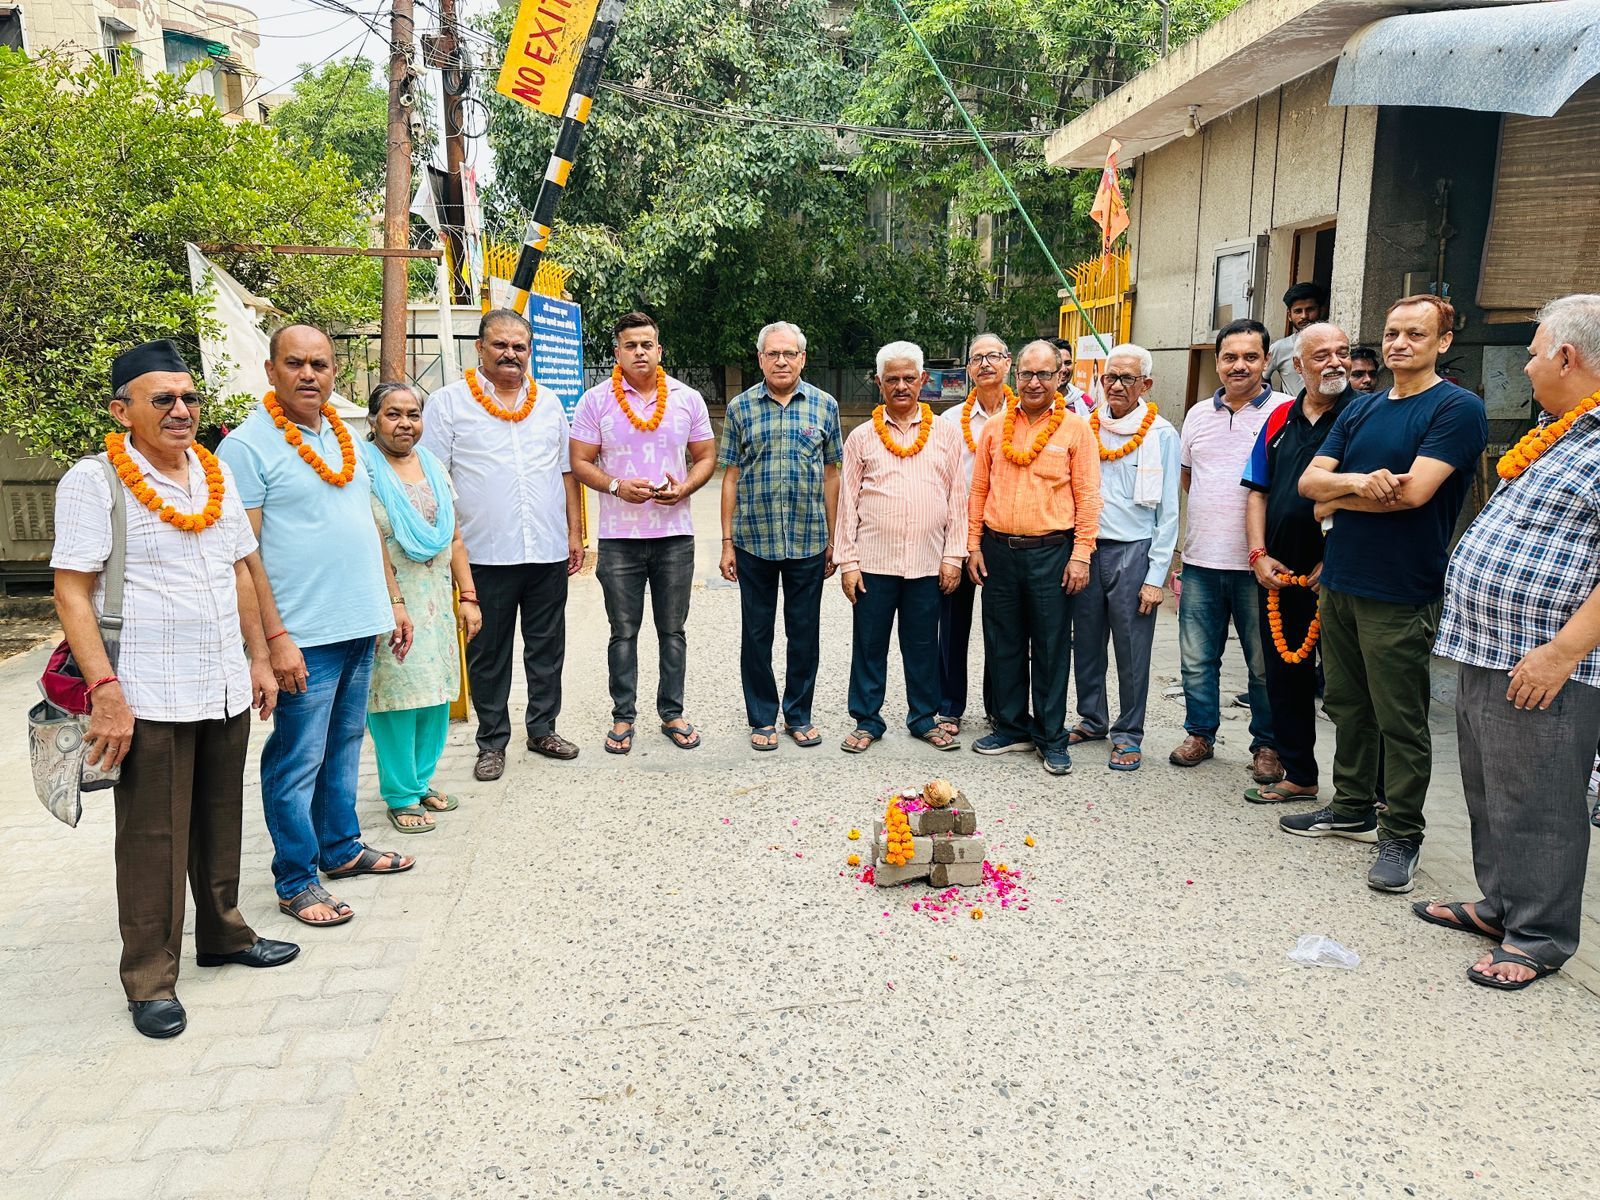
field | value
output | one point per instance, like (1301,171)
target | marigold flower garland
(654,423)
(494,409)
(1540,438)
(966,414)
(924,428)
(897,832)
(1275,621)
(1058,413)
(1129,446)
(133,479)
(291,434)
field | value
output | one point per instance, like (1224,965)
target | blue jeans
(1211,598)
(310,765)
(915,603)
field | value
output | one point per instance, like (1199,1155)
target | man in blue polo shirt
(320,583)
(1393,474)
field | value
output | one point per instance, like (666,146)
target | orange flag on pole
(1109,212)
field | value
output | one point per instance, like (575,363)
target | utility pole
(1166,23)
(455,80)
(397,194)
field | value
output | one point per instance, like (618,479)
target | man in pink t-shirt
(643,441)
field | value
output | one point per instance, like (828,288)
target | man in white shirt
(505,444)
(175,712)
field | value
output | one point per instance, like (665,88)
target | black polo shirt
(1284,449)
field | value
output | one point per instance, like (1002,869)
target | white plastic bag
(1320,950)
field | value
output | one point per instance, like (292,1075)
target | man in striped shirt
(899,544)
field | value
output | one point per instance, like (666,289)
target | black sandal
(687,738)
(619,743)
(1463,923)
(367,861)
(1516,958)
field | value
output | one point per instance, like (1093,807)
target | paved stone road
(654,976)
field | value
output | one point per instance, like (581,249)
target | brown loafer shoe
(1265,766)
(553,745)
(491,765)
(1191,752)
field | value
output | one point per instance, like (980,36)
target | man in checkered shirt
(1522,623)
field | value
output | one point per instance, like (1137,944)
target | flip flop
(689,734)
(451,803)
(367,864)
(619,743)
(1463,922)
(936,732)
(857,735)
(1515,957)
(1077,735)
(804,735)
(313,895)
(410,810)
(1126,748)
(1273,793)
(763,729)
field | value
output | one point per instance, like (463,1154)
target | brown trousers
(179,812)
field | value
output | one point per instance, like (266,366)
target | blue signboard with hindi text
(558,348)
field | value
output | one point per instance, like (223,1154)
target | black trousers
(915,602)
(1292,687)
(759,580)
(539,592)
(1026,640)
(955,630)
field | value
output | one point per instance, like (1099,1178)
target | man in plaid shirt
(1522,623)
(781,450)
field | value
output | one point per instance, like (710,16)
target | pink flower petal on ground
(727,820)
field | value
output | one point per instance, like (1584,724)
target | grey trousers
(626,567)
(1526,778)
(1108,610)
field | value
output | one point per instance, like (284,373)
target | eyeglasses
(163,401)
(1041,376)
(1127,381)
(990,356)
(783,355)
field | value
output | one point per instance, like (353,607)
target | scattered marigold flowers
(977,914)
(493,409)
(1275,622)
(854,835)
(654,423)
(1028,841)
(1540,438)
(291,434)
(133,478)
(1129,446)
(853,861)
(924,429)
(897,831)
(1058,413)
(966,414)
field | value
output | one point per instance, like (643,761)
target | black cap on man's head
(159,355)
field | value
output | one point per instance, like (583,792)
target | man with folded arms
(1032,518)
(325,591)
(1522,623)
(900,546)
(505,444)
(176,714)
(1139,471)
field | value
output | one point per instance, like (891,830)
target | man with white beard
(1280,521)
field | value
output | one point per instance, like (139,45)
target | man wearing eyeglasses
(1032,518)
(988,364)
(1077,401)
(1139,476)
(781,451)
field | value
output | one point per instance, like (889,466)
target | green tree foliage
(344,106)
(1017,65)
(716,226)
(103,178)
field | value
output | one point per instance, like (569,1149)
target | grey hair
(1055,351)
(993,337)
(899,352)
(779,327)
(1317,327)
(1574,321)
(1147,362)
(123,393)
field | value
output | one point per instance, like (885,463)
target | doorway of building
(1311,259)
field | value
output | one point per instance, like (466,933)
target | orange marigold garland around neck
(133,478)
(1058,413)
(966,414)
(924,428)
(512,415)
(1540,438)
(654,423)
(291,434)
(1127,447)
(1275,621)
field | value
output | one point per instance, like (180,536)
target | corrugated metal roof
(1525,59)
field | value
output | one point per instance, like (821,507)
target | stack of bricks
(945,848)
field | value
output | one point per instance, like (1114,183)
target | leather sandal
(316,894)
(367,861)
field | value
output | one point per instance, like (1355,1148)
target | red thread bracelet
(100,683)
(1258,552)
(279,634)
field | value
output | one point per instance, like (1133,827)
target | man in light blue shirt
(1139,477)
(325,593)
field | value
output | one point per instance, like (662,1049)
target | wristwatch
(615,484)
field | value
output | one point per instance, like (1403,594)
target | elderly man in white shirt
(175,712)
(505,444)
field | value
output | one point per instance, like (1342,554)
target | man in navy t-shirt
(1393,474)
